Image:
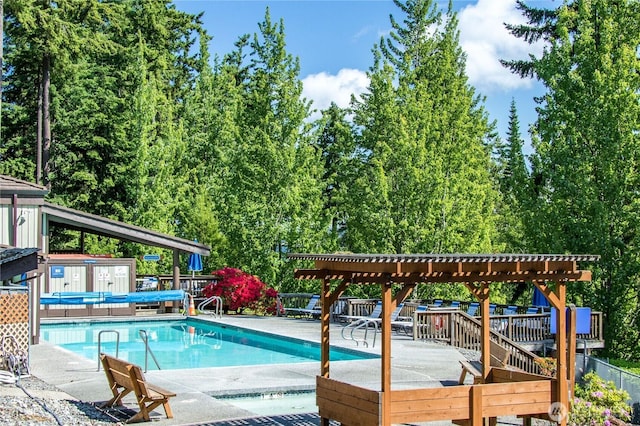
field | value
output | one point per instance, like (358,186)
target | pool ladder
(117,333)
(147,350)
(362,328)
(217,307)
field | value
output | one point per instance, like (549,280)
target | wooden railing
(294,300)
(464,331)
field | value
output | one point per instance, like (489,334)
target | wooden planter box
(509,393)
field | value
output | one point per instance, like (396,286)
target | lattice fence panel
(14,321)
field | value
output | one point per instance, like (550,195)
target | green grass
(630,366)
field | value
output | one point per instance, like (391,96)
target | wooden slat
(347,389)
(502,375)
(432,404)
(517,387)
(345,414)
(430,416)
(348,400)
(516,410)
(348,404)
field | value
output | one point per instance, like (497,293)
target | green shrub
(599,403)
(630,366)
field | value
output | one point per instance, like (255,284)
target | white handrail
(217,307)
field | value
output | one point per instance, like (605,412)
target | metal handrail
(100,343)
(357,325)
(217,310)
(147,350)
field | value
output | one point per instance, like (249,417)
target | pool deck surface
(415,364)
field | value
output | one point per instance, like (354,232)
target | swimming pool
(187,343)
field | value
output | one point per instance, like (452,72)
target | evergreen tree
(585,166)
(336,144)
(424,182)
(513,178)
(271,186)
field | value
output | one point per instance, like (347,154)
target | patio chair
(405,324)
(510,310)
(309,311)
(473,308)
(375,313)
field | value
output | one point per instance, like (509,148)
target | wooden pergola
(502,391)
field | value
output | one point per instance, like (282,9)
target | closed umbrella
(195,263)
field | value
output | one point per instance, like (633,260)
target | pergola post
(386,354)
(561,350)
(324,323)
(486,330)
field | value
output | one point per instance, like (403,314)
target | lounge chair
(375,313)
(308,311)
(406,323)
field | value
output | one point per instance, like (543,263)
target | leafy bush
(240,290)
(599,403)
(547,366)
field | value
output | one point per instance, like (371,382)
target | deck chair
(405,324)
(375,313)
(308,311)
(473,308)
(532,310)
(510,310)
(455,304)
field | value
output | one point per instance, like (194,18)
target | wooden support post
(324,324)
(571,352)
(325,336)
(475,405)
(485,330)
(386,355)
(561,347)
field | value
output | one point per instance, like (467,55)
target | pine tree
(424,183)
(336,144)
(271,189)
(586,145)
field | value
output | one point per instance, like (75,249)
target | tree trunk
(46,119)
(39,135)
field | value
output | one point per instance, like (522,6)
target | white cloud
(325,88)
(485,40)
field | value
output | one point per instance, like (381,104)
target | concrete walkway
(415,364)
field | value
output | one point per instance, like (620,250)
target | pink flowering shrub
(599,403)
(240,290)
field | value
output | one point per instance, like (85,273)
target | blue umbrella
(195,262)
(538,298)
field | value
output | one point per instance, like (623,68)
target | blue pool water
(188,343)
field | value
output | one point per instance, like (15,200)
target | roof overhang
(81,221)
(445,268)
(17,261)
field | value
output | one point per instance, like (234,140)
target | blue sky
(334,38)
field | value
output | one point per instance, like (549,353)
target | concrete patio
(414,364)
